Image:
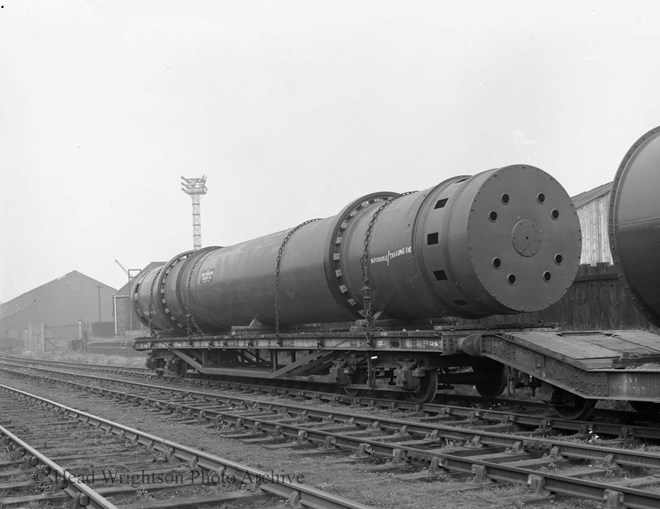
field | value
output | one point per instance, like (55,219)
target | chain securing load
(278,264)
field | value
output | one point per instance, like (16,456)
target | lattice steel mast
(195,188)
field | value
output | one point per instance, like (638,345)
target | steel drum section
(502,241)
(635,223)
(236,285)
(145,300)
(519,239)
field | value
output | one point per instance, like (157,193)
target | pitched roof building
(59,305)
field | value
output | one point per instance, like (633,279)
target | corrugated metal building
(61,306)
(593,211)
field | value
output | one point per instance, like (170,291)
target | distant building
(58,310)
(126,322)
(593,211)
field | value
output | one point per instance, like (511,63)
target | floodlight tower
(195,188)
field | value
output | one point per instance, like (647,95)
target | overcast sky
(292,109)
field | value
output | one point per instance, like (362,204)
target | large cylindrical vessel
(634,223)
(503,241)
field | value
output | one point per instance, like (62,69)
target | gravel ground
(333,474)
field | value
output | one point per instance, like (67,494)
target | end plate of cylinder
(524,238)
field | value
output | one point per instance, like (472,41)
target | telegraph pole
(98,287)
(195,188)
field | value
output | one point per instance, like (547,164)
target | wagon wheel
(359,377)
(428,387)
(354,393)
(182,369)
(574,407)
(494,383)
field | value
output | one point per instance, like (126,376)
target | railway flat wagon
(365,299)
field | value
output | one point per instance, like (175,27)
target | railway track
(64,454)
(434,447)
(102,368)
(614,424)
